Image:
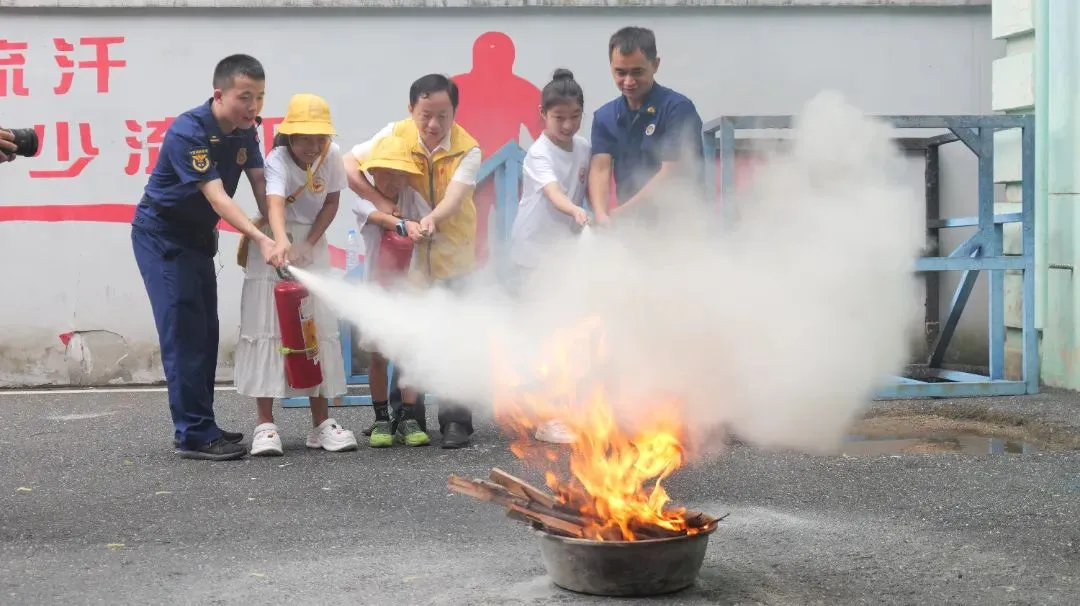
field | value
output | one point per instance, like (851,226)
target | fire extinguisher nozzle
(283,272)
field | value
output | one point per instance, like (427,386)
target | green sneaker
(380,436)
(409,433)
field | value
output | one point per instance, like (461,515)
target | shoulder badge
(200,159)
(241,156)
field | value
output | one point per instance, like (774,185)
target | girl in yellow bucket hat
(304,180)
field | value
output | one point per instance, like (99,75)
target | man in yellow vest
(449,161)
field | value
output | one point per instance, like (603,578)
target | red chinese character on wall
(11,68)
(63,151)
(147,145)
(101,62)
(267,135)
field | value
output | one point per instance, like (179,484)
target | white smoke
(777,329)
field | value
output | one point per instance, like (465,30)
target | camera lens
(26,141)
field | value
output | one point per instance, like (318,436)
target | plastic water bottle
(352,252)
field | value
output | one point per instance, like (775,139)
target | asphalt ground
(95,507)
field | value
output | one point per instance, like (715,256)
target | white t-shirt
(538,222)
(283,177)
(410,206)
(466,171)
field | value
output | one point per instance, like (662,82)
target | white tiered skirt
(260,365)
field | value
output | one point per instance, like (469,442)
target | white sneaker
(265,442)
(555,432)
(332,437)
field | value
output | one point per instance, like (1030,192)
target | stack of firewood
(543,511)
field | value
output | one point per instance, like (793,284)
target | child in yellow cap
(388,242)
(304,180)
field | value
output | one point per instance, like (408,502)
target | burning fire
(615,472)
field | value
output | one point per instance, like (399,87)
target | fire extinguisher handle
(283,272)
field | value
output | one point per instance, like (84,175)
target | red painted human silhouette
(494,104)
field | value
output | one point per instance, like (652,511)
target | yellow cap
(307,115)
(391,152)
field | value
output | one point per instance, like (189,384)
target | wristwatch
(400,228)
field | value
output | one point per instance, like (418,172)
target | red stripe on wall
(90,213)
(104,213)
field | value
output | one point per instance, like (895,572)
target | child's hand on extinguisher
(412,229)
(275,253)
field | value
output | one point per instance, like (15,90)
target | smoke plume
(777,328)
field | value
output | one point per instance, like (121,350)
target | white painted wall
(74,276)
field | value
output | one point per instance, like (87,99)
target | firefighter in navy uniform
(174,237)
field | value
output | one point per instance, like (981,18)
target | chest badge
(241,156)
(200,159)
(318,184)
(650,129)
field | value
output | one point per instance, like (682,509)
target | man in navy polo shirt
(174,236)
(650,137)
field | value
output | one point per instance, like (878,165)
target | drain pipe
(1042,165)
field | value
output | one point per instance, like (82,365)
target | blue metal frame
(983,251)
(504,168)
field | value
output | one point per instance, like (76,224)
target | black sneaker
(233,437)
(218,450)
(454,436)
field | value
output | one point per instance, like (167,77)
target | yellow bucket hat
(391,152)
(307,115)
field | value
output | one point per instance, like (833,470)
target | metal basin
(625,568)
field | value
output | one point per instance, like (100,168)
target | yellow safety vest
(452,252)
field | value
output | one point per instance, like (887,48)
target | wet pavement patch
(933,434)
(962,444)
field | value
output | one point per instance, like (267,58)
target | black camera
(26,141)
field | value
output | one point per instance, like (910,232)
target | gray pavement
(380,527)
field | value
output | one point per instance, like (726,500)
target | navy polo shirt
(194,151)
(667,128)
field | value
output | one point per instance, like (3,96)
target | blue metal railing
(983,251)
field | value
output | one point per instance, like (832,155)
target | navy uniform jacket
(195,150)
(667,128)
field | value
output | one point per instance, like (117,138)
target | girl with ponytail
(554,180)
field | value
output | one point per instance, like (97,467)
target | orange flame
(615,473)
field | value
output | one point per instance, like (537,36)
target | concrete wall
(74,308)
(1041,73)
(1013,92)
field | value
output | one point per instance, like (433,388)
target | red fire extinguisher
(299,341)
